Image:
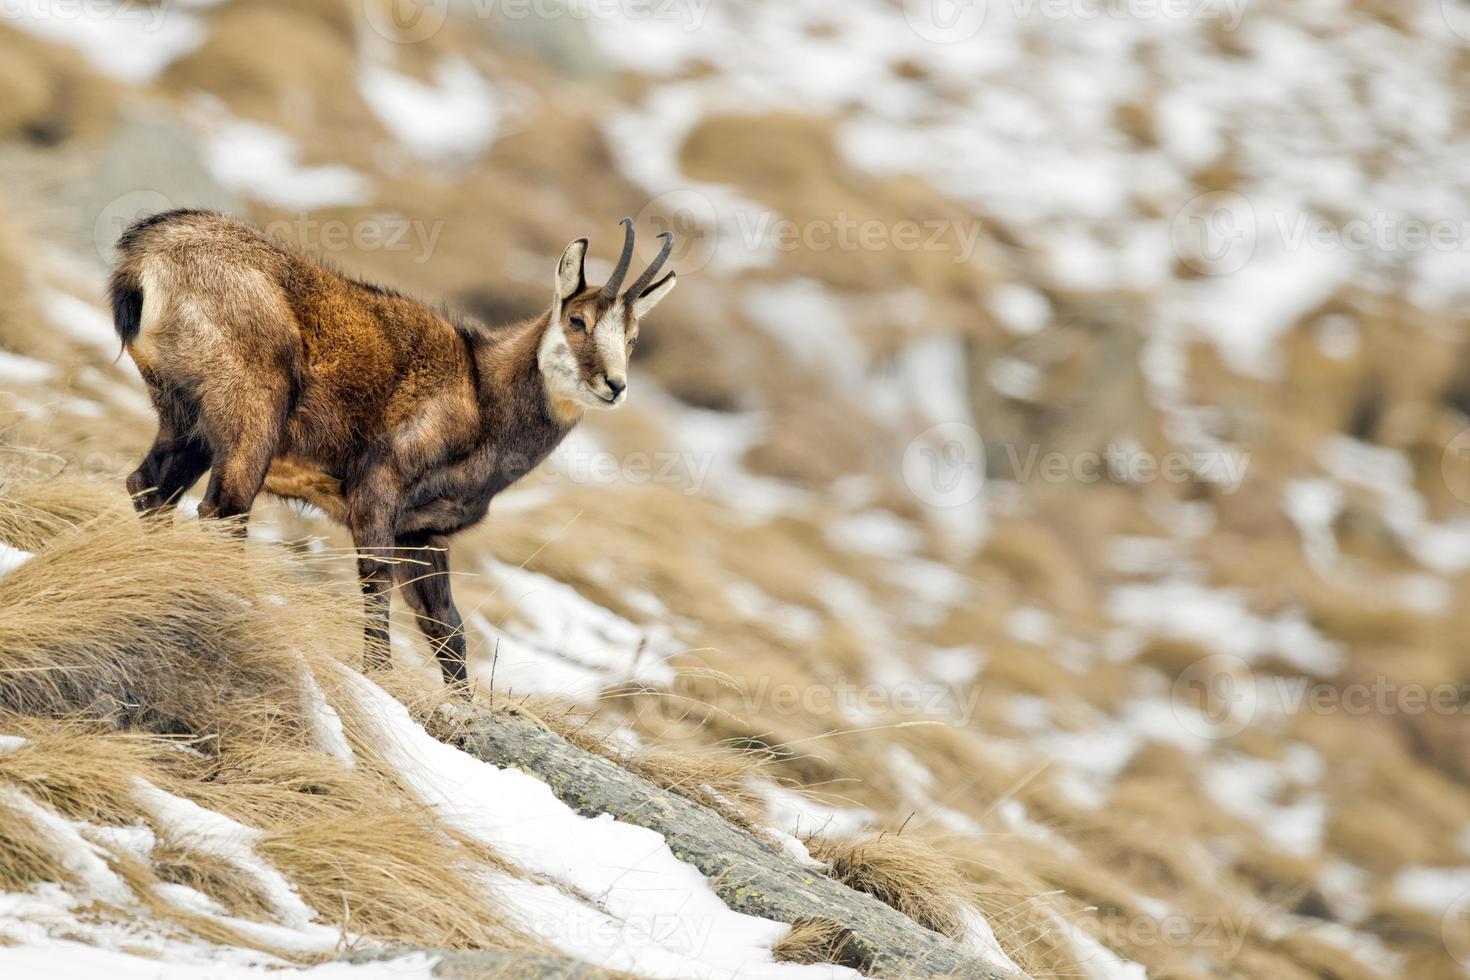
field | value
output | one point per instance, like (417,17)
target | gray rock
(749,874)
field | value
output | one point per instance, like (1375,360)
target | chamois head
(584,353)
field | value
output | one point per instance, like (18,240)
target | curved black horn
(615,281)
(636,290)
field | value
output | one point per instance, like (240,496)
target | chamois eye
(579,324)
(632,342)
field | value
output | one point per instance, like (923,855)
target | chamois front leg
(423,570)
(372,513)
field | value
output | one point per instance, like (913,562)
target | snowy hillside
(1041,507)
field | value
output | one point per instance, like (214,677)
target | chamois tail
(126,293)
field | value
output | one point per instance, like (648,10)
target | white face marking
(559,368)
(612,349)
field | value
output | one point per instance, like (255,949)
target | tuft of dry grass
(816,941)
(903,872)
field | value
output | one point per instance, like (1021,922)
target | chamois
(277,373)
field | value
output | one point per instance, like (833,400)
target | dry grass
(28,855)
(815,941)
(903,872)
(170,653)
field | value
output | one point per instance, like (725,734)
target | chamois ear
(645,303)
(571,275)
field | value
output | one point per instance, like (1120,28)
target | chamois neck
(512,388)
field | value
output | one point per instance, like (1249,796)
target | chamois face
(585,350)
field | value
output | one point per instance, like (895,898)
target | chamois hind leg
(243,424)
(170,468)
(423,571)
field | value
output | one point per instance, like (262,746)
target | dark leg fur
(166,472)
(171,467)
(373,505)
(424,574)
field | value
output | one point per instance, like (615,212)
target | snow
(12,558)
(800,815)
(80,319)
(17,369)
(630,870)
(330,737)
(808,319)
(565,645)
(190,825)
(454,118)
(1250,788)
(1389,475)
(874,532)
(752,602)
(719,441)
(1220,621)
(131,42)
(1433,890)
(63,960)
(979,938)
(263,163)
(79,856)
(1020,309)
